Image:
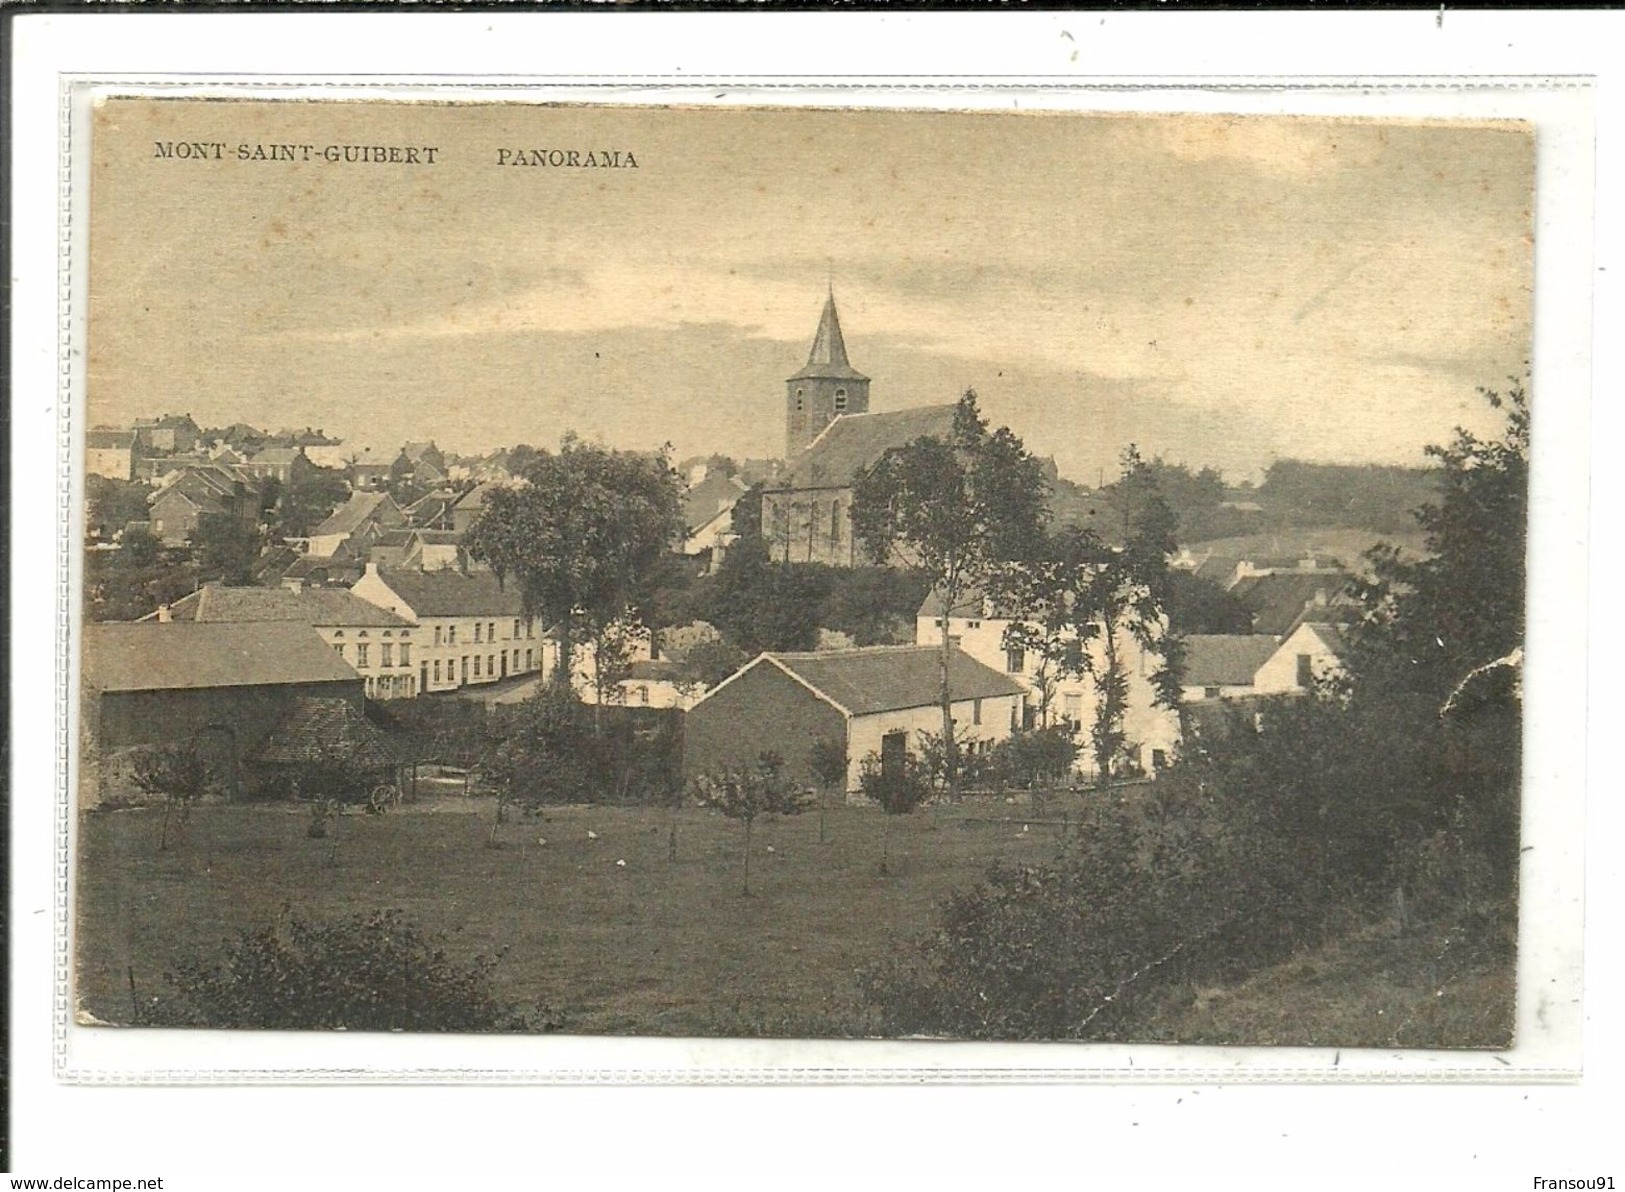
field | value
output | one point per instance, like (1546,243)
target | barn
(872,700)
(222,686)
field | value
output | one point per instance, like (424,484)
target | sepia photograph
(802,573)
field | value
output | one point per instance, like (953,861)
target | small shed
(872,700)
(329,748)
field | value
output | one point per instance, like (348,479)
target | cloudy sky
(1222,291)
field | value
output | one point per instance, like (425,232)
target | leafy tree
(710,662)
(129,583)
(827,761)
(955,510)
(583,538)
(1087,599)
(744,793)
(898,790)
(110,505)
(177,774)
(226,547)
(1198,605)
(371,971)
(306,501)
(761,606)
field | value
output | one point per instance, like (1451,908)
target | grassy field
(654,946)
(657,946)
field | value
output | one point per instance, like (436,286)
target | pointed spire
(828,356)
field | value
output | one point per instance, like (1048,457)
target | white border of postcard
(884,62)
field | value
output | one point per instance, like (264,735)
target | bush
(366,972)
(1036,758)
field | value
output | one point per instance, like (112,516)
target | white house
(872,700)
(1311,652)
(1224,665)
(978,627)
(110,452)
(470,627)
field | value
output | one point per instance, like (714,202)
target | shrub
(898,790)
(744,793)
(1039,757)
(375,971)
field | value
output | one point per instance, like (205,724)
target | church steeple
(825,387)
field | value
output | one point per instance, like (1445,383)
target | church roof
(854,443)
(827,361)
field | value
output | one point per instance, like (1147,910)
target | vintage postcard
(803,573)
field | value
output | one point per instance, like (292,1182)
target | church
(831,439)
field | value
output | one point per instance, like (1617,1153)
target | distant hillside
(1370,496)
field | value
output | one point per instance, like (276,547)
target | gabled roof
(319,731)
(326,607)
(101,438)
(151,656)
(437,537)
(854,443)
(474,498)
(827,360)
(277,455)
(348,517)
(1226,659)
(430,508)
(711,496)
(873,679)
(973,604)
(451,593)
(1278,600)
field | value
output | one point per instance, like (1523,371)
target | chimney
(372,567)
(697,474)
(164,617)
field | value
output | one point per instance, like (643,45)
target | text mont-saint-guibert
(253,151)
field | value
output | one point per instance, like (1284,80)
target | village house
(466,510)
(285,465)
(418,463)
(377,643)
(708,512)
(433,512)
(1278,598)
(470,628)
(1224,665)
(368,469)
(220,687)
(360,521)
(873,700)
(172,434)
(978,626)
(1311,653)
(189,495)
(110,452)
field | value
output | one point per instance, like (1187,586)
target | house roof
(326,607)
(1276,601)
(971,604)
(277,455)
(104,437)
(430,508)
(438,537)
(474,498)
(875,679)
(320,731)
(451,593)
(348,517)
(854,443)
(827,360)
(151,656)
(1226,659)
(709,497)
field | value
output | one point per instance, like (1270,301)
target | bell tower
(826,387)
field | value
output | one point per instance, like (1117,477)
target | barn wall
(761,710)
(867,731)
(127,718)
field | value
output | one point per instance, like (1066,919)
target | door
(893,755)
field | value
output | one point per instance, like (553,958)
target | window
(339,646)
(835,523)
(1210,693)
(1306,670)
(451,635)
(516,627)
(1015,660)
(643,694)
(840,401)
(437,632)
(529,655)
(465,668)
(530,630)
(1072,707)
(476,666)
(477,628)
(361,654)
(386,655)
(491,665)
(406,653)
(799,392)
(491,631)
(973,624)
(976,712)
(437,670)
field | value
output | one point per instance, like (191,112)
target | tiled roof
(827,360)
(474,498)
(348,516)
(326,607)
(1225,659)
(890,678)
(854,443)
(711,496)
(102,438)
(150,656)
(277,455)
(1277,601)
(328,732)
(451,593)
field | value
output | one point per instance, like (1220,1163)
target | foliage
(1373,496)
(374,971)
(957,511)
(1198,605)
(130,582)
(710,662)
(110,505)
(583,537)
(762,606)
(306,501)
(226,546)
(896,790)
(874,605)
(1041,757)
(1434,619)
(176,773)
(744,793)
